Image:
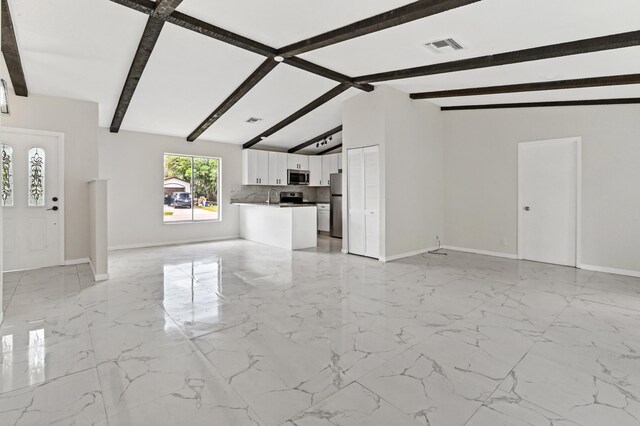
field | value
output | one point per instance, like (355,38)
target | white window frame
(219,200)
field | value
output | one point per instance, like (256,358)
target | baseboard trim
(482,252)
(77,261)
(97,277)
(343,251)
(608,270)
(407,254)
(173,243)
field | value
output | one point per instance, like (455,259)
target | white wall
(481,177)
(98,224)
(78,120)
(414,175)
(134,164)
(410,137)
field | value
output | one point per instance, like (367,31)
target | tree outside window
(191,188)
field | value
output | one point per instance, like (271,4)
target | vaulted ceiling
(84,49)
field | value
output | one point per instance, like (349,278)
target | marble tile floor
(236,333)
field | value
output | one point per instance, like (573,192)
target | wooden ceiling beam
(11,53)
(614,80)
(316,139)
(597,44)
(588,102)
(299,114)
(402,15)
(326,73)
(237,94)
(152,31)
(328,150)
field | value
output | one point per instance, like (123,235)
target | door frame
(60,137)
(578,141)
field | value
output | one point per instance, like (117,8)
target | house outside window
(191,188)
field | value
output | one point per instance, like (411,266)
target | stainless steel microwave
(297,177)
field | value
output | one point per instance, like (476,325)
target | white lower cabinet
(324,216)
(364,201)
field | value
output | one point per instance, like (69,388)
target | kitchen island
(288,226)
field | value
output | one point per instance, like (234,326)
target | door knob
(54,208)
(527,208)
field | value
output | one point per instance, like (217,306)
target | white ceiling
(83,49)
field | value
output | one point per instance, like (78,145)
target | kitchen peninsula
(288,225)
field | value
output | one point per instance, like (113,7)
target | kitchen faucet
(269,196)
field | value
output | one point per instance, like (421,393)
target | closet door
(356,201)
(372,201)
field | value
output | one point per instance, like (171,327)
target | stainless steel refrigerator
(336,205)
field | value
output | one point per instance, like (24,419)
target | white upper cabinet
(277,168)
(297,162)
(315,170)
(339,162)
(329,166)
(255,167)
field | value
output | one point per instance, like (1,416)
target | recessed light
(278,58)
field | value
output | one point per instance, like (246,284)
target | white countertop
(276,205)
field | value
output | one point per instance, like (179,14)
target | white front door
(548,200)
(32,204)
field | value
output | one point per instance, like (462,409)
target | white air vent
(448,45)
(253,120)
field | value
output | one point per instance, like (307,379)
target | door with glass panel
(32,205)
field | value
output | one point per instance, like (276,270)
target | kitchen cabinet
(277,168)
(324,217)
(329,166)
(363,180)
(315,170)
(255,167)
(298,162)
(339,162)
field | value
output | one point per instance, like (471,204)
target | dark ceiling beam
(241,91)
(150,36)
(316,139)
(201,27)
(300,113)
(150,8)
(402,15)
(590,102)
(597,44)
(615,80)
(11,53)
(326,73)
(328,150)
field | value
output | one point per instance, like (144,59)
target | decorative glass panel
(7,175)
(36,177)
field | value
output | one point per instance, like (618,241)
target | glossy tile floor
(235,333)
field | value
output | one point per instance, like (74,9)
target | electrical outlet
(504,242)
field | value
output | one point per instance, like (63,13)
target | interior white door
(32,212)
(363,182)
(356,201)
(548,200)
(372,201)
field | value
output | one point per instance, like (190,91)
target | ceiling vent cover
(448,45)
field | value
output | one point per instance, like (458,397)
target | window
(7,175)
(191,188)
(36,177)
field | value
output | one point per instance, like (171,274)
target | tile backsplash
(258,194)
